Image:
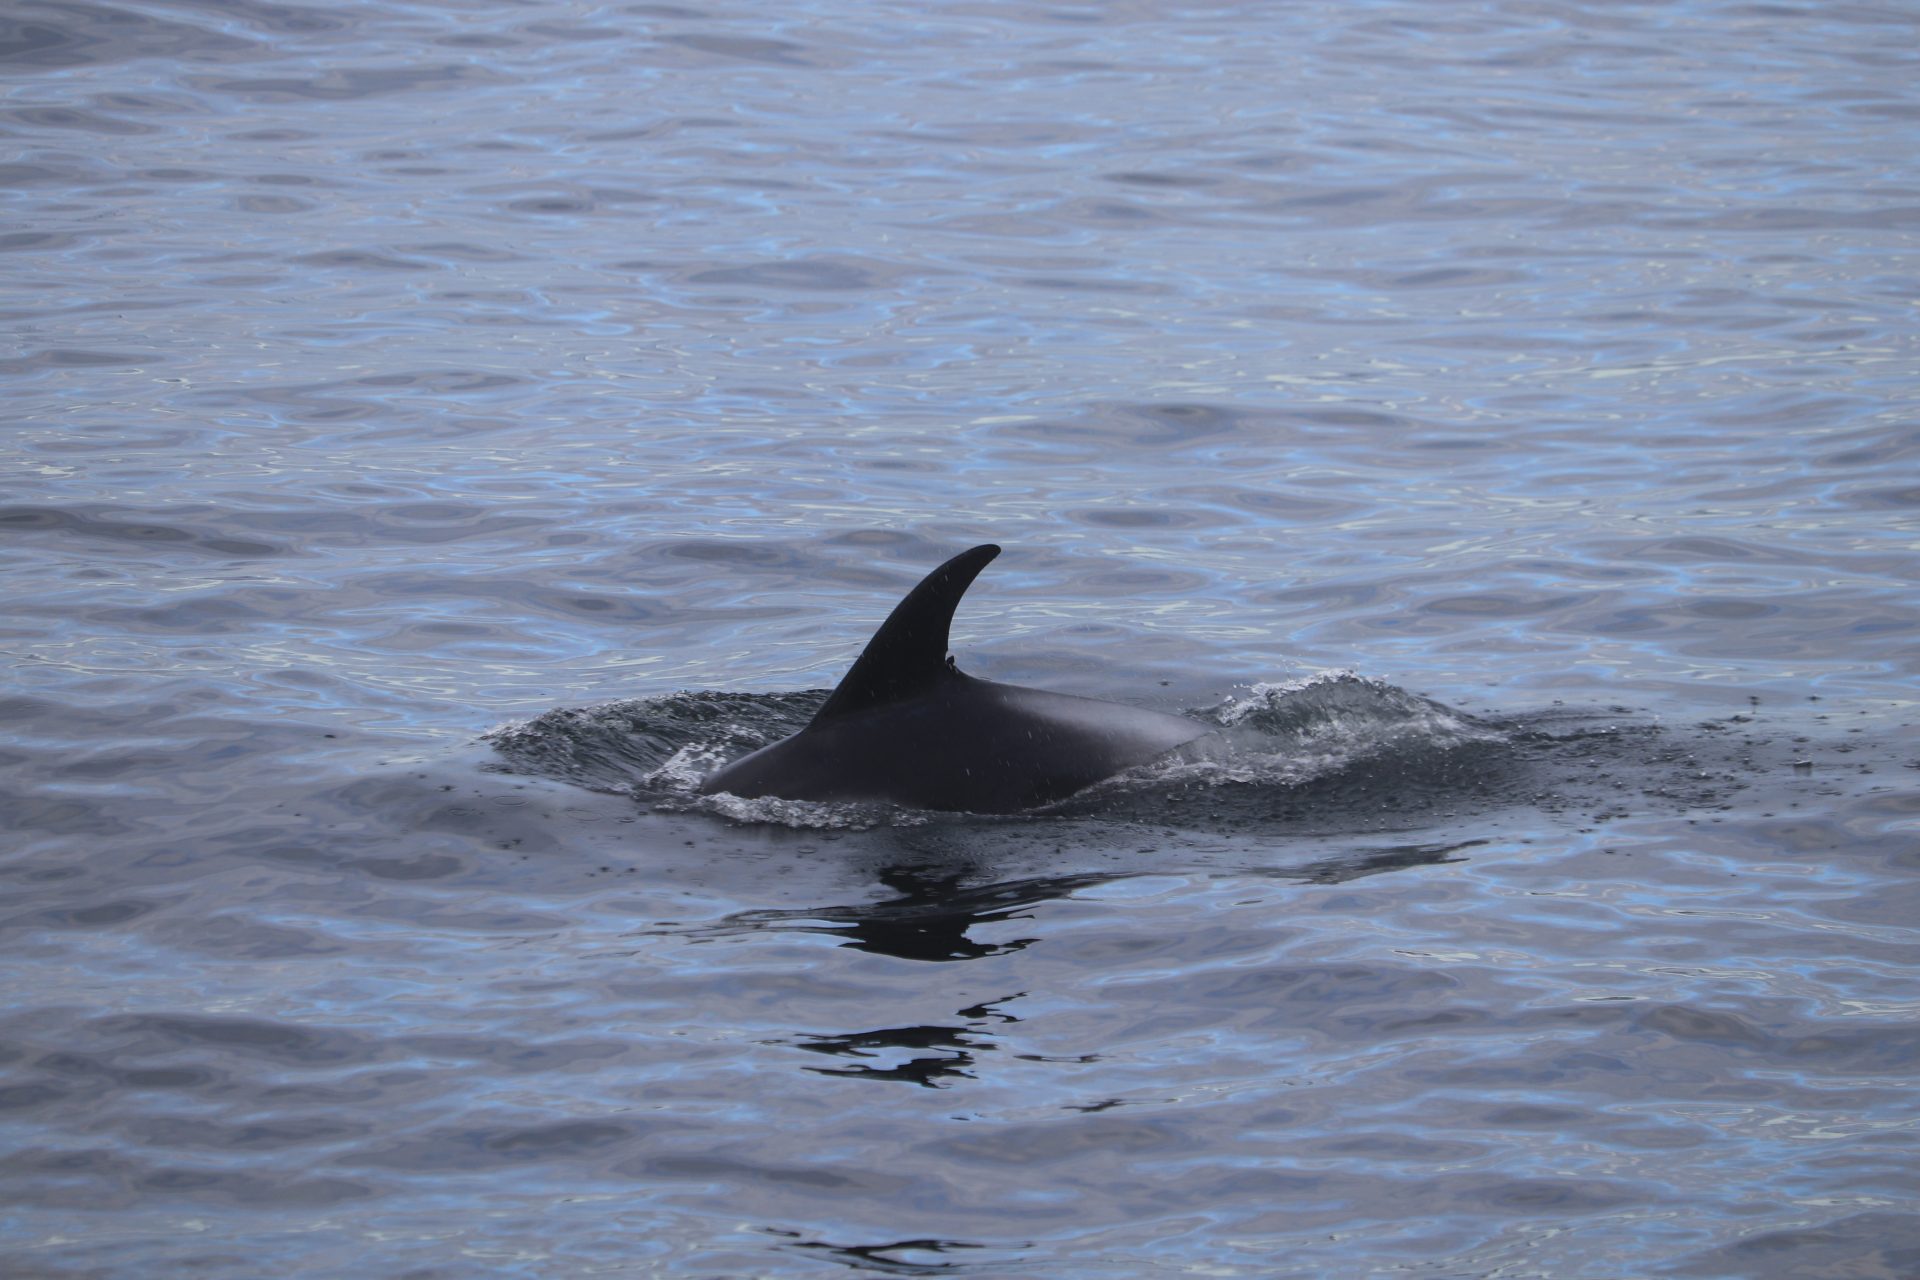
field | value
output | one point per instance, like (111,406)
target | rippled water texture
(381,376)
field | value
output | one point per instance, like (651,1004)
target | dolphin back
(907,726)
(969,745)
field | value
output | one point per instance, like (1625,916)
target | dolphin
(908,726)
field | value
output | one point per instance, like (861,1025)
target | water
(383,376)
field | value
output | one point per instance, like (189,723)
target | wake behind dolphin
(907,726)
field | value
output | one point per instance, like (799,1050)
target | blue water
(437,431)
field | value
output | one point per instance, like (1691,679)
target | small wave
(1347,703)
(644,744)
(1289,732)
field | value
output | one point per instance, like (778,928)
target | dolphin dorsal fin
(908,654)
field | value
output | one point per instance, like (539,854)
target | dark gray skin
(907,726)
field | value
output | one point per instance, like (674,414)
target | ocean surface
(438,432)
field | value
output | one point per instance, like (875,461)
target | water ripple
(387,372)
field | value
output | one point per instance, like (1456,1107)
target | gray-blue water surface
(437,430)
